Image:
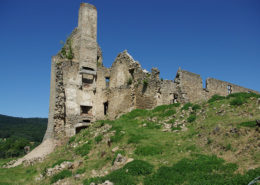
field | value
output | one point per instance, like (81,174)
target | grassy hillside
(16,133)
(215,142)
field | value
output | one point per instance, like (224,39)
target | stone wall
(189,86)
(223,88)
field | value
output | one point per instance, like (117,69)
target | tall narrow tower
(73,78)
(87,26)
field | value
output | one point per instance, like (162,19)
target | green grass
(135,138)
(72,139)
(216,97)
(176,128)
(251,124)
(98,138)
(184,157)
(148,150)
(191,118)
(18,175)
(238,101)
(139,167)
(153,125)
(196,107)
(84,149)
(244,95)
(80,171)
(186,106)
(126,175)
(61,175)
(200,170)
(118,135)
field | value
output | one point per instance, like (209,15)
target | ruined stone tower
(83,90)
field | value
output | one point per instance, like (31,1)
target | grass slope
(215,142)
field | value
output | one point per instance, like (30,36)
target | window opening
(229,88)
(107,81)
(175,98)
(105,108)
(86,110)
(88,68)
(87,80)
(78,129)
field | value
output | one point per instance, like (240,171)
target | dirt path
(45,148)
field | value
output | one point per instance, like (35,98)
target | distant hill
(32,129)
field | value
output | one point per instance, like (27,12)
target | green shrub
(120,177)
(99,124)
(61,175)
(196,107)
(160,108)
(191,118)
(176,104)
(147,150)
(216,97)
(228,147)
(238,101)
(72,139)
(145,83)
(168,113)
(98,138)
(241,98)
(80,170)
(163,108)
(84,149)
(139,167)
(186,106)
(153,125)
(130,81)
(244,95)
(248,124)
(199,170)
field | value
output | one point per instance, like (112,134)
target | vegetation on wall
(66,50)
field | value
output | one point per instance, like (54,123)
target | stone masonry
(83,90)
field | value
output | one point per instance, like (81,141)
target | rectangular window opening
(88,68)
(86,110)
(107,81)
(175,98)
(87,79)
(229,88)
(105,108)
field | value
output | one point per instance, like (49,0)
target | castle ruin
(83,90)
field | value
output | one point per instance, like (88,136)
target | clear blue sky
(214,38)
